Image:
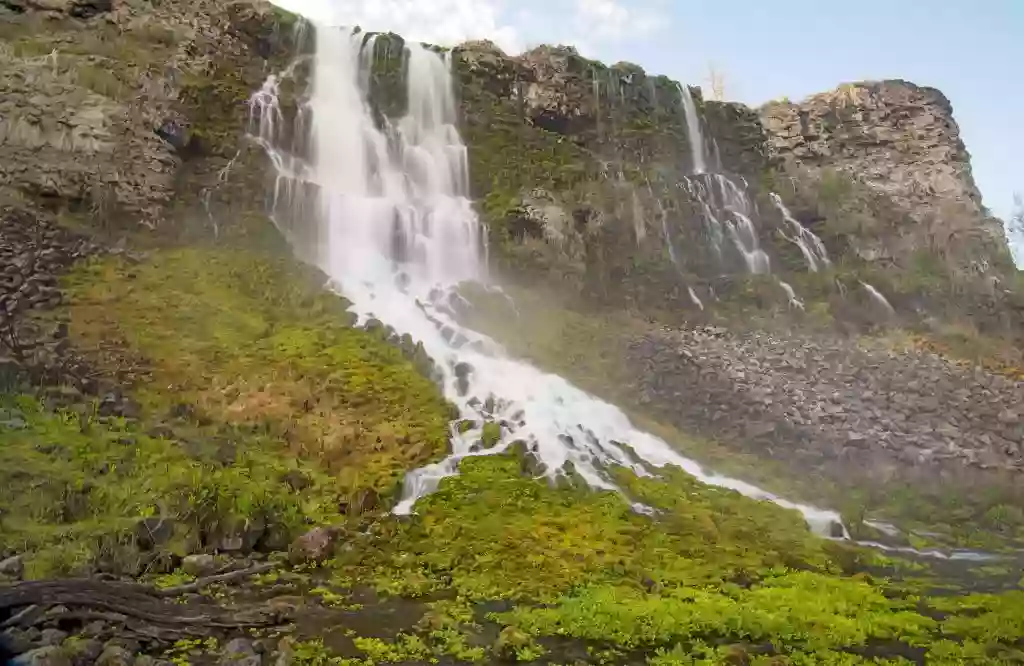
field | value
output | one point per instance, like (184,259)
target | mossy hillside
(712,576)
(246,340)
(74,487)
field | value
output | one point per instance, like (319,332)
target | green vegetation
(254,342)
(714,575)
(507,536)
(74,488)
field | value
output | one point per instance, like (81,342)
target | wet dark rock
(115,655)
(16,641)
(83,652)
(95,628)
(239,652)
(153,532)
(275,538)
(239,534)
(174,132)
(129,645)
(53,636)
(462,372)
(50,655)
(365,500)
(313,546)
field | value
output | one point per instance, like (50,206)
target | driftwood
(89,597)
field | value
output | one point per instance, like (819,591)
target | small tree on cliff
(716,82)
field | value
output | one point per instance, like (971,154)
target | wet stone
(199,565)
(50,655)
(239,652)
(13,567)
(152,532)
(115,655)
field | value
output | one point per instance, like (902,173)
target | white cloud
(512,24)
(612,21)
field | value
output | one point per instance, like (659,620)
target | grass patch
(254,342)
(73,488)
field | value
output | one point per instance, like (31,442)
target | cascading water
(810,245)
(397,234)
(693,133)
(877,297)
(794,302)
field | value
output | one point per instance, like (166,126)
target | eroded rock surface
(833,406)
(903,142)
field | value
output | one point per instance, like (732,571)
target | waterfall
(794,302)
(810,245)
(726,211)
(694,299)
(878,298)
(395,232)
(693,133)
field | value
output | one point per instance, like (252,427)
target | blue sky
(972,51)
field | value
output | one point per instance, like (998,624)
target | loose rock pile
(33,254)
(832,404)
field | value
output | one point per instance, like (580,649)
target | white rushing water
(810,245)
(878,298)
(693,132)
(393,227)
(794,302)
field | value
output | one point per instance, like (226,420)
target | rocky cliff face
(896,136)
(899,139)
(108,106)
(586,178)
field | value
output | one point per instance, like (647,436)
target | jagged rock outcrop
(899,137)
(900,140)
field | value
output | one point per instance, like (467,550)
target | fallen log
(130,599)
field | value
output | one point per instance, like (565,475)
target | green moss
(253,341)
(491,434)
(490,533)
(73,488)
(712,578)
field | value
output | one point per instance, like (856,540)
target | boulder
(314,546)
(115,655)
(153,532)
(50,655)
(199,565)
(13,567)
(239,652)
